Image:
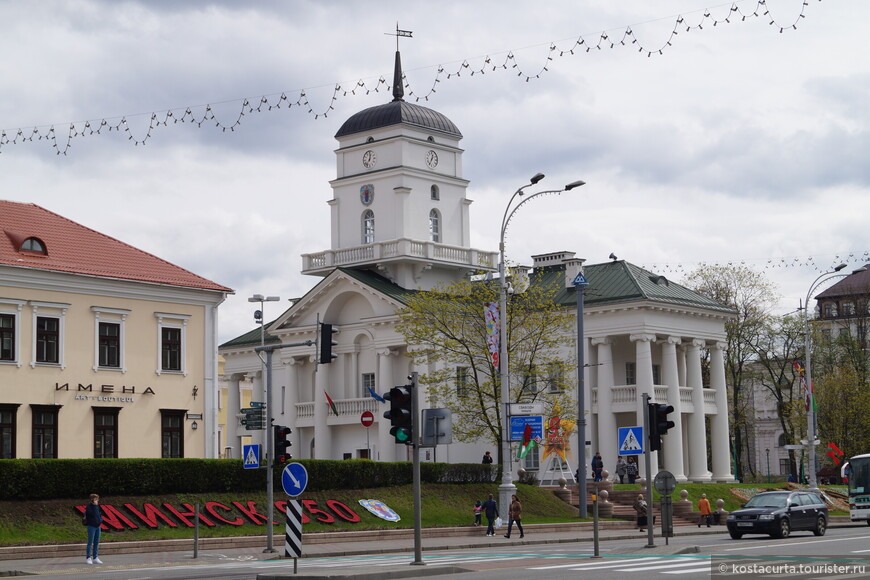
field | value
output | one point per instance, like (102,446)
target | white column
(322,430)
(719,434)
(697,432)
(293,366)
(234,406)
(644,384)
(607,428)
(386,444)
(672,443)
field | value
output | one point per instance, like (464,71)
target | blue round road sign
(294,479)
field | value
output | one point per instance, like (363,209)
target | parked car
(778,513)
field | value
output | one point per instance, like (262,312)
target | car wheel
(784,529)
(735,535)
(821,526)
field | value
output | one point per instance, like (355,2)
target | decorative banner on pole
(491,315)
(293,530)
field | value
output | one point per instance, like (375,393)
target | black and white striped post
(293,531)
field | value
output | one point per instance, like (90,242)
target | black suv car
(778,513)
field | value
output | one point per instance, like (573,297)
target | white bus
(859,488)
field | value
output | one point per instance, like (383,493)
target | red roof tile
(76,249)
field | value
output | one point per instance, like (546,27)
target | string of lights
(815,263)
(204,116)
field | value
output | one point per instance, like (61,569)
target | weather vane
(398,33)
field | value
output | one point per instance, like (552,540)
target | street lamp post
(768,464)
(808,371)
(507,487)
(267,397)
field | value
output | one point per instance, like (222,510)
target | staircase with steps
(621,502)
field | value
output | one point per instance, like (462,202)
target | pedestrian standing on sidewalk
(93,519)
(490,510)
(515,514)
(631,470)
(620,469)
(640,507)
(706,511)
(597,467)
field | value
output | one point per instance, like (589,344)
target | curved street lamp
(811,414)
(507,487)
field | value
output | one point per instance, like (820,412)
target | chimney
(573,266)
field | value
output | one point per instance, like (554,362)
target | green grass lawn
(55,521)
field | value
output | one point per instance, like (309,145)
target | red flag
(527,434)
(330,403)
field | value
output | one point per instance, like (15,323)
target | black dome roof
(394,113)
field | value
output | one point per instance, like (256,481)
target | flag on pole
(809,400)
(491,316)
(376,396)
(834,453)
(528,442)
(331,403)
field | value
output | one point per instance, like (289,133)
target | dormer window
(34,245)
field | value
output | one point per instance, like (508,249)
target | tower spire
(398,90)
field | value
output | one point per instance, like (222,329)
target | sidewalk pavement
(117,556)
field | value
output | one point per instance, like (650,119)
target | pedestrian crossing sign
(630,440)
(251,454)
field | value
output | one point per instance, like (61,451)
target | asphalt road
(628,557)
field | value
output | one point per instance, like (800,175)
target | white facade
(657,333)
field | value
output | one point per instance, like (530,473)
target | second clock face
(369,159)
(431,159)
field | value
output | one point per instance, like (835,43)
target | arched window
(782,440)
(368,227)
(434,226)
(33,245)
(435,194)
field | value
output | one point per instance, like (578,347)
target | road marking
(597,564)
(643,568)
(779,544)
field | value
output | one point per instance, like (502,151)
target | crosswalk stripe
(703,569)
(597,564)
(659,566)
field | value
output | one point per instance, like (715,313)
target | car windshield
(767,500)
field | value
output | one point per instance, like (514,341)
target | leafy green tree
(753,297)
(447,331)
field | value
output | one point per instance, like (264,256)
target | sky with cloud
(739,141)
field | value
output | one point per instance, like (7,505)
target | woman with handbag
(640,507)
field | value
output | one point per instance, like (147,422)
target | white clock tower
(399,204)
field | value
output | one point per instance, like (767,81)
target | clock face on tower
(369,159)
(431,159)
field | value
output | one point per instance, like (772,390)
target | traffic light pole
(650,517)
(270,477)
(416,434)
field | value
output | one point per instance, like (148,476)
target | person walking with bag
(640,507)
(515,514)
(706,511)
(490,510)
(620,469)
(93,519)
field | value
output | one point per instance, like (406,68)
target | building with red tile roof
(105,350)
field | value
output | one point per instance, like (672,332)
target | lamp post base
(505,491)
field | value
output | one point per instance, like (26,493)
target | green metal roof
(620,281)
(609,283)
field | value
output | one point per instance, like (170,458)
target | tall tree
(448,332)
(753,297)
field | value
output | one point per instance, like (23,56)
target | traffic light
(282,443)
(327,342)
(401,413)
(658,423)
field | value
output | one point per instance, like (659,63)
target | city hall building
(106,351)
(400,224)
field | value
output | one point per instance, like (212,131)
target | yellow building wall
(140,392)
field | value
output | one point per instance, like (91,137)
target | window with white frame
(368,382)
(48,340)
(555,379)
(171,342)
(532,460)
(530,384)
(462,380)
(10,331)
(434,194)
(434,226)
(368,227)
(630,373)
(848,309)
(109,338)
